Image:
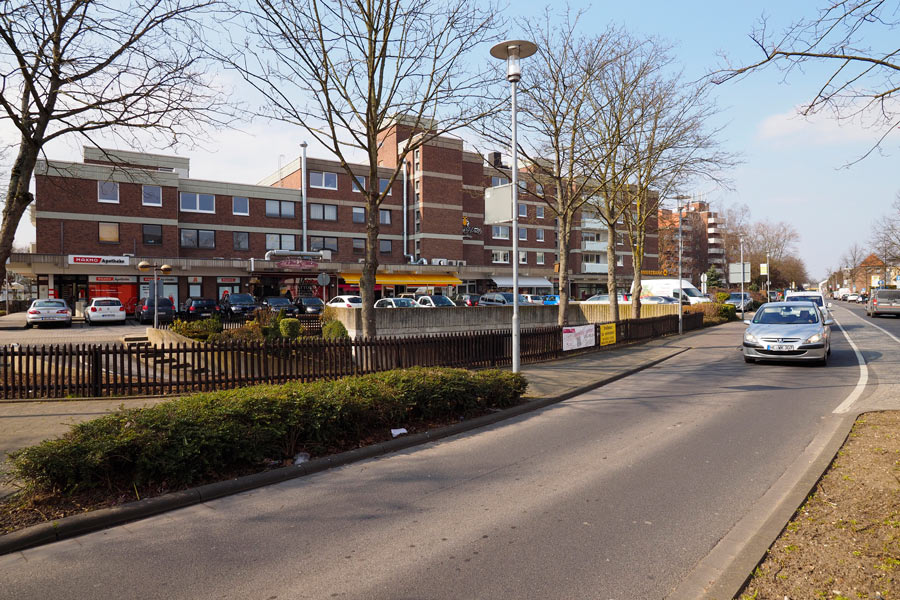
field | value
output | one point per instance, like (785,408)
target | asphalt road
(12,331)
(616,493)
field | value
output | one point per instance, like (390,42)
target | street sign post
(734,273)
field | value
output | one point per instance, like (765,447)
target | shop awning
(439,279)
(504,281)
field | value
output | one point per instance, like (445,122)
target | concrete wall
(423,321)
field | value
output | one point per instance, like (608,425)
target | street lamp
(680,245)
(157,269)
(512,51)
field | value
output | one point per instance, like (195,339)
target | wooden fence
(62,371)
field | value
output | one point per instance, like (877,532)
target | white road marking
(844,406)
(881,329)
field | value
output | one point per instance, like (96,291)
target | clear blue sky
(792,170)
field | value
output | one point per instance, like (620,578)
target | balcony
(711,221)
(717,260)
(595,246)
(714,240)
(717,250)
(593,224)
(712,230)
(594,268)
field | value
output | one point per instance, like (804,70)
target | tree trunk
(370,267)
(637,261)
(611,272)
(17,200)
(564,241)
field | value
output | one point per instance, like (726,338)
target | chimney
(496,159)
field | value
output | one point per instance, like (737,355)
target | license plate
(780,347)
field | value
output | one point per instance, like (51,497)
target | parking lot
(12,331)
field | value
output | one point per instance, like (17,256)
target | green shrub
(197,330)
(290,328)
(721,297)
(250,333)
(210,435)
(334,330)
(727,311)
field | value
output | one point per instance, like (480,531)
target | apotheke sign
(78,259)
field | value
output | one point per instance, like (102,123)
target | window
(323,180)
(241,240)
(500,256)
(418,222)
(384,216)
(109,233)
(539,235)
(523,234)
(240,206)
(500,232)
(198,238)
(152,235)
(620,261)
(384,246)
(323,212)
(523,210)
(108,191)
(359,214)
(495,181)
(204,203)
(620,239)
(539,191)
(359,183)
(280,209)
(151,195)
(539,212)
(523,257)
(323,243)
(595,259)
(279,241)
(538,258)
(588,236)
(359,246)
(383,186)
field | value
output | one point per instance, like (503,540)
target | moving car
(310,305)
(199,308)
(48,311)
(395,303)
(238,305)
(883,302)
(796,331)
(280,303)
(165,312)
(434,302)
(500,299)
(815,297)
(104,310)
(347,301)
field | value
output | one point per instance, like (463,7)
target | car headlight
(749,337)
(814,339)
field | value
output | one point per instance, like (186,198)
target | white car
(346,301)
(434,301)
(48,311)
(104,310)
(395,303)
(852,297)
(534,299)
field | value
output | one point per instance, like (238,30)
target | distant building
(704,241)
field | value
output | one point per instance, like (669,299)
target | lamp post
(512,51)
(145,266)
(680,245)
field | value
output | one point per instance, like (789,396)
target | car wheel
(747,359)
(87,322)
(28,325)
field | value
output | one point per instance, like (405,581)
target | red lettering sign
(86,259)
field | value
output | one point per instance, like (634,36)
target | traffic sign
(704,278)
(734,273)
(323,279)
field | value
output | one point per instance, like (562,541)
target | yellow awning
(405,279)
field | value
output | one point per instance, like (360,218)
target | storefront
(123,287)
(388,285)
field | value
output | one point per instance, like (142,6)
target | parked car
(199,308)
(467,299)
(862,298)
(104,310)
(658,300)
(165,311)
(883,302)
(795,330)
(551,299)
(346,301)
(48,311)
(280,303)
(852,297)
(238,305)
(534,299)
(741,301)
(671,287)
(500,299)
(434,302)
(309,305)
(604,299)
(395,303)
(845,296)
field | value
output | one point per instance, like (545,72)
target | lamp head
(165,269)
(144,266)
(513,51)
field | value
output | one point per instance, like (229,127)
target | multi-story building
(95,220)
(703,240)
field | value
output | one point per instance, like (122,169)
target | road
(614,494)
(12,331)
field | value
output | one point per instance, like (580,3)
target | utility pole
(743,299)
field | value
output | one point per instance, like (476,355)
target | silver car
(48,311)
(788,331)
(883,302)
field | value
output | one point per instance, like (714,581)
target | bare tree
(553,114)
(852,261)
(736,227)
(863,82)
(82,66)
(345,70)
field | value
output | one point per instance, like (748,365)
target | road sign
(498,205)
(323,279)
(734,273)
(763,269)
(704,278)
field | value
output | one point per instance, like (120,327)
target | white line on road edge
(844,406)
(881,329)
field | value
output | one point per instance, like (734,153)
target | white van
(669,287)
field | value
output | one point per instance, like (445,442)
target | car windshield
(404,302)
(311,301)
(692,292)
(892,295)
(811,298)
(787,315)
(347,299)
(163,302)
(737,296)
(278,300)
(241,299)
(442,301)
(50,304)
(203,302)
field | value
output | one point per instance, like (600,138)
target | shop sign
(468,229)
(228,279)
(295,263)
(578,337)
(607,334)
(656,272)
(79,259)
(112,278)
(195,279)
(149,278)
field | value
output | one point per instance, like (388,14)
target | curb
(80,524)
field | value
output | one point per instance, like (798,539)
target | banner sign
(607,334)
(112,278)
(228,279)
(159,278)
(578,337)
(294,263)
(76,259)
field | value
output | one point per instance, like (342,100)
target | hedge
(211,435)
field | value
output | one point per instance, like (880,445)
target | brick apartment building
(704,242)
(95,220)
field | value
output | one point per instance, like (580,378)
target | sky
(793,169)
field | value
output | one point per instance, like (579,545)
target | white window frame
(497,181)
(100,197)
(323,184)
(196,195)
(358,184)
(538,258)
(355,211)
(382,183)
(620,260)
(390,246)
(523,211)
(234,239)
(118,232)
(523,257)
(539,212)
(144,195)
(234,210)
(384,216)
(503,255)
(523,234)
(323,207)
(539,235)
(500,232)
(539,190)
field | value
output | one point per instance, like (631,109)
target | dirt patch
(844,542)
